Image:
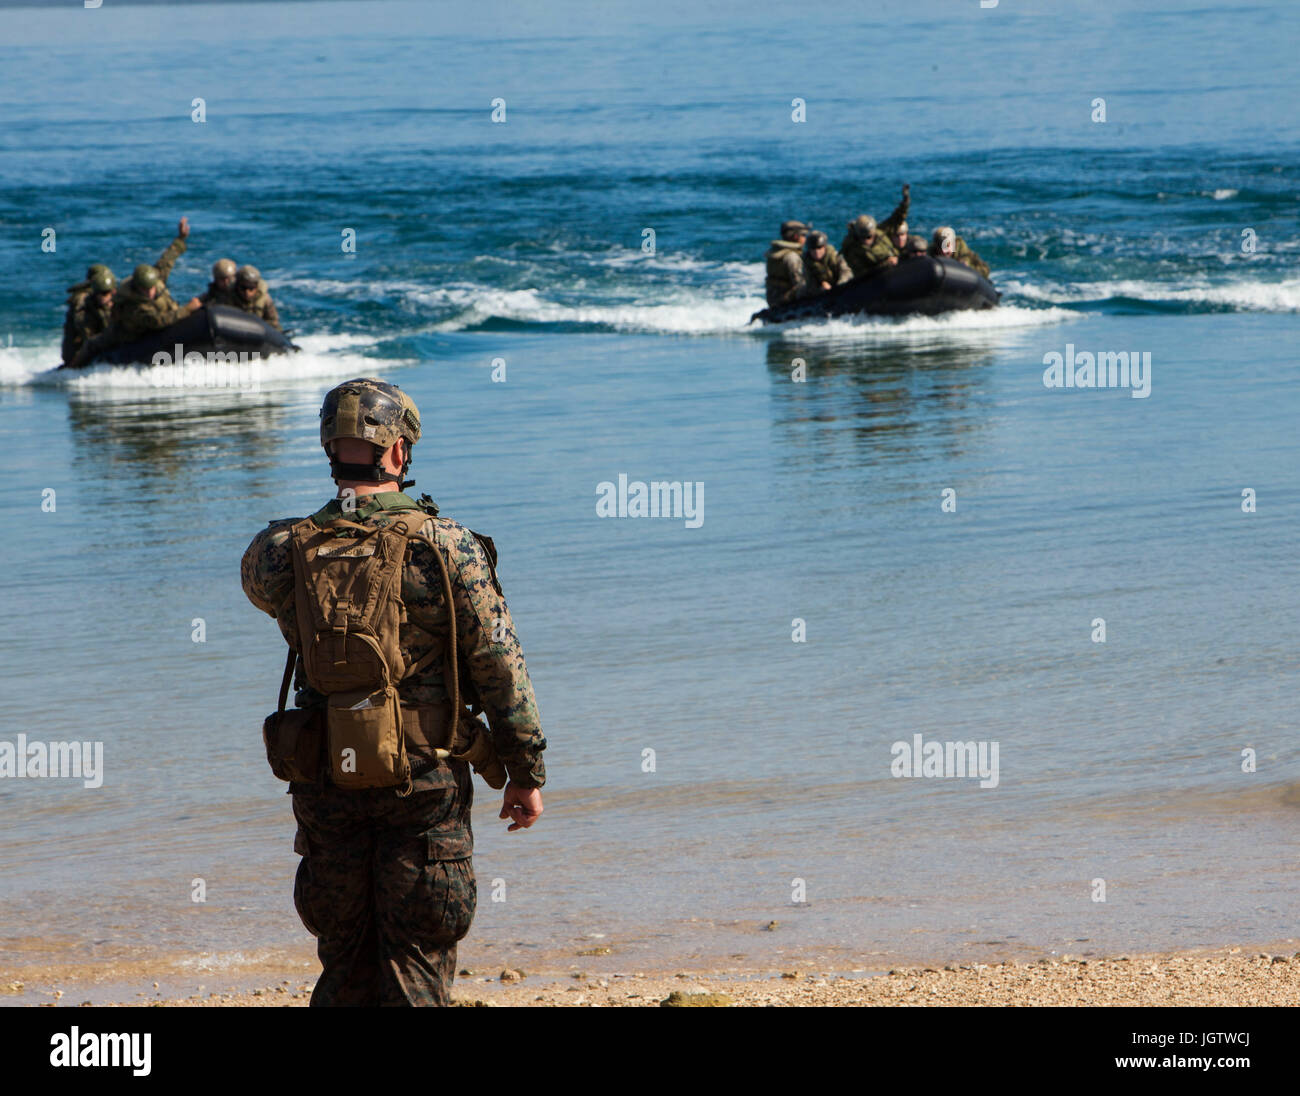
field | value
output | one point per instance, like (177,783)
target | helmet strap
(369,473)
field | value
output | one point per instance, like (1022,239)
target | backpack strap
(289,662)
(453,669)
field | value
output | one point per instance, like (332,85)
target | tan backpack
(347,590)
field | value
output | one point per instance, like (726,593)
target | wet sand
(1229,976)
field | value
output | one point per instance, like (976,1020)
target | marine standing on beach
(386,881)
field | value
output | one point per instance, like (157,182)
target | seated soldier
(898,236)
(142,306)
(90,309)
(914,247)
(221,290)
(81,289)
(824,267)
(948,244)
(867,246)
(251,295)
(785,269)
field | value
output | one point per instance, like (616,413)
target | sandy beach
(1230,976)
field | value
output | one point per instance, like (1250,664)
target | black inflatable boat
(215,328)
(924,285)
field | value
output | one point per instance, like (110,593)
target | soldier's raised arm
(890,223)
(174,250)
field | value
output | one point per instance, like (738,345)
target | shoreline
(1201,977)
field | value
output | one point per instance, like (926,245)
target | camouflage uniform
(386,884)
(86,318)
(786,280)
(167,260)
(260,306)
(967,256)
(135,315)
(963,254)
(830,268)
(864,259)
(214,294)
(891,223)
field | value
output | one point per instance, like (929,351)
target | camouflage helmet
(103,281)
(900,229)
(145,278)
(914,246)
(223,268)
(94,269)
(816,240)
(248,277)
(792,230)
(863,226)
(373,411)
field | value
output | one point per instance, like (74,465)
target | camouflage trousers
(386,885)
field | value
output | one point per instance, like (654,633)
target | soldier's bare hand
(892,260)
(826,285)
(183,229)
(524,805)
(193,304)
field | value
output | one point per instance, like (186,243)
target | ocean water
(1169,229)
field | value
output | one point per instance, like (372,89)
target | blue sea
(904,532)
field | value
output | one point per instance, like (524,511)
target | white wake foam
(884,328)
(322,357)
(1248,296)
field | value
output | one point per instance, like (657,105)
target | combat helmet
(373,411)
(94,269)
(945,234)
(792,230)
(248,277)
(145,278)
(816,240)
(863,226)
(103,281)
(223,268)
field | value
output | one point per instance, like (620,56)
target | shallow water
(1118,761)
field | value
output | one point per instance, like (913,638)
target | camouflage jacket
(168,258)
(890,223)
(214,294)
(963,254)
(785,273)
(77,293)
(863,259)
(490,659)
(260,306)
(830,268)
(86,318)
(967,256)
(135,316)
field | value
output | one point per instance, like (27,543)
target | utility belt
(369,739)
